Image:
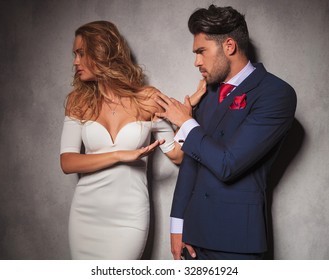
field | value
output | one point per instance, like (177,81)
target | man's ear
(230,46)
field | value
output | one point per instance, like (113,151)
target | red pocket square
(239,102)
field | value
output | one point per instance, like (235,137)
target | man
(218,209)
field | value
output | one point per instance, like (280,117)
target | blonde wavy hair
(109,58)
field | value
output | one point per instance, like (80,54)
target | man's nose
(198,61)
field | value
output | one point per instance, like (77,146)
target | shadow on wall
(289,149)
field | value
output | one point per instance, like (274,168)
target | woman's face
(82,68)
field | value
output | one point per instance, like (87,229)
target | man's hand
(176,112)
(177,246)
(201,90)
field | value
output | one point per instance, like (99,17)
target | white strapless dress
(109,216)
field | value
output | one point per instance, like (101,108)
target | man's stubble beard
(222,68)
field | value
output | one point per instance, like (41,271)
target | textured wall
(290,37)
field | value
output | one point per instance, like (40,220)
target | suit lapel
(246,86)
(207,106)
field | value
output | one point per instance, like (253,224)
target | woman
(112,113)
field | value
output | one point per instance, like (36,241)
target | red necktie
(224,91)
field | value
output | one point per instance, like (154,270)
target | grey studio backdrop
(290,37)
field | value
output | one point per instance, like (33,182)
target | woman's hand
(131,155)
(201,89)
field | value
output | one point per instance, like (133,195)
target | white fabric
(186,128)
(109,216)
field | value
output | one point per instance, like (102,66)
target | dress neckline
(119,131)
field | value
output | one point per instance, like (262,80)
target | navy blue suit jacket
(220,190)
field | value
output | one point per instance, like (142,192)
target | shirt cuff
(176,225)
(184,130)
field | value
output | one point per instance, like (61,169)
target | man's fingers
(202,87)
(161,115)
(164,97)
(162,103)
(187,101)
(191,251)
(202,84)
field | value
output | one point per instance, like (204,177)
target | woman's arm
(72,162)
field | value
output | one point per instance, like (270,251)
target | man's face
(211,60)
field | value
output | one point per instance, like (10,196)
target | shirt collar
(242,75)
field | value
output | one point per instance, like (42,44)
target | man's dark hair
(218,23)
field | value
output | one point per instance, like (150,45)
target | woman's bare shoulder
(148,103)
(149,94)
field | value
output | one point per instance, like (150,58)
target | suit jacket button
(206,195)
